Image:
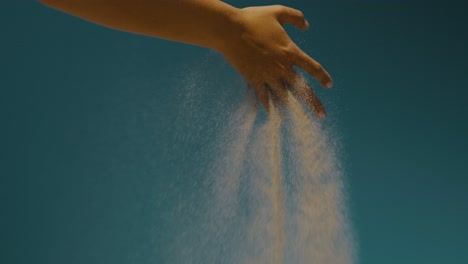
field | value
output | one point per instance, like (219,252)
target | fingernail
(321,115)
(329,84)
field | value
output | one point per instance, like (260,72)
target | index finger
(304,91)
(314,68)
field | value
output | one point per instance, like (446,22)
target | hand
(262,52)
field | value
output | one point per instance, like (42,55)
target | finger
(314,69)
(305,92)
(291,16)
(278,95)
(278,88)
(262,95)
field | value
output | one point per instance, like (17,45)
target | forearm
(199,22)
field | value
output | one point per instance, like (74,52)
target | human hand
(262,52)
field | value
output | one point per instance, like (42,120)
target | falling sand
(276,193)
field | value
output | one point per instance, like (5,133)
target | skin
(251,39)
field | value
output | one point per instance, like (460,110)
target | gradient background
(100,160)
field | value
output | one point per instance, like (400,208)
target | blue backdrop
(100,143)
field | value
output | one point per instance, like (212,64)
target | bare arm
(198,22)
(252,39)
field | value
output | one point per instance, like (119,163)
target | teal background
(101,155)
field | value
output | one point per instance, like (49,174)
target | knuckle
(290,50)
(284,10)
(279,8)
(300,13)
(318,67)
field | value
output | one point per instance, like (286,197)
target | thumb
(287,15)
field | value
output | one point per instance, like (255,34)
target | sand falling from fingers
(319,230)
(274,193)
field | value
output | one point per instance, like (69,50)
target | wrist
(228,27)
